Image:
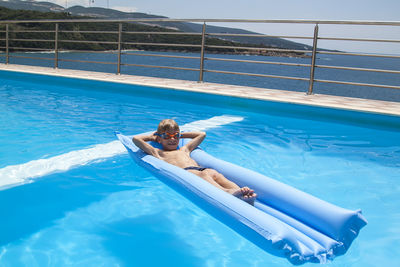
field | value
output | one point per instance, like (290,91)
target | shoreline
(245,53)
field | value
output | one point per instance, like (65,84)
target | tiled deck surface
(373,106)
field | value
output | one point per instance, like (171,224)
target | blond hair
(167,125)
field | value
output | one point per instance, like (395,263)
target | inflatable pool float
(284,221)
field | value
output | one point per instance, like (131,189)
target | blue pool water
(110,212)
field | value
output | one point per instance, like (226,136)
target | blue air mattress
(284,221)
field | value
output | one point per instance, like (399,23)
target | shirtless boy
(168,135)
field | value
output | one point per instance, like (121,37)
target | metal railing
(12,31)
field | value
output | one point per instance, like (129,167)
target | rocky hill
(97,12)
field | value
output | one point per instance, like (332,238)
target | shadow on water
(140,241)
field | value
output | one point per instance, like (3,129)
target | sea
(368,77)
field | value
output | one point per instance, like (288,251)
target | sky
(370,10)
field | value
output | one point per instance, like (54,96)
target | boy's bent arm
(141,142)
(197,138)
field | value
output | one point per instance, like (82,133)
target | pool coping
(319,100)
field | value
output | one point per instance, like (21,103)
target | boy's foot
(246,194)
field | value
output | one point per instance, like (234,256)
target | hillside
(97,12)
(30,5)
(88,39)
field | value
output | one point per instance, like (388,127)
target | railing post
(56,47)
(119,48)
(314,53)
(7,46)
(203,41)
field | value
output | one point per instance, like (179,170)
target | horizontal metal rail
(357,54)
(257,75)
(155,55)
(258,35)
(159,67)
(29,49)
(165,33)
(359,84)
(97,32)
(42,58)
(258,48)
(30,31)
(259,62)
(86,42)
(86,51)
(60,51)
(357,69)
(162,44)
(12,35)
(30,40)
(88,61)
(360,40)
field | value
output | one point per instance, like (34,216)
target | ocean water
(271,83)
(107,211)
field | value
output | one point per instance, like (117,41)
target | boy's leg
(243,193)
(206,176)
(220,181)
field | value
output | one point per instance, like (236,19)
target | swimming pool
(108,211)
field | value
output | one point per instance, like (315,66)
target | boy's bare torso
(178,158)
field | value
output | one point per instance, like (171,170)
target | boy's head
(168,134)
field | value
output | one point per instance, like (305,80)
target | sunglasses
(169,135)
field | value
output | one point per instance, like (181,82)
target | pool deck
(338,102)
